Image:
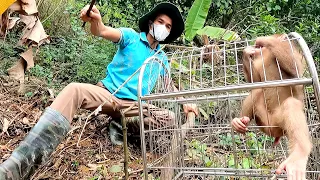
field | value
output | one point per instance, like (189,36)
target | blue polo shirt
(133,50)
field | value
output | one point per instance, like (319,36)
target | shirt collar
(143,37)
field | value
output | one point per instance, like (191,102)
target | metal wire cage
(175,147)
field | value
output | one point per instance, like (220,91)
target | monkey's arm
(247,107)
(290,60)
(293,122)
(298,133)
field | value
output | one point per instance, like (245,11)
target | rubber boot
(115,133)
(115,129)
(37,146)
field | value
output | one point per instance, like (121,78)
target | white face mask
(159,32)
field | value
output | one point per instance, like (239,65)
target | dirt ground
(94,157)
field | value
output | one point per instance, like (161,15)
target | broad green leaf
(231,162)
(245,163)
(196,17)
(208,161)
(179,67)
(191,153)
(265,169)
(218,33)
(269,8)
(277,7)
(195,143)
(203,147)
(115,169)
(203,112)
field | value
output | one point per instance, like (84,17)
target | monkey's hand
(190,108)
(240,124)
(295,165)
(249,52)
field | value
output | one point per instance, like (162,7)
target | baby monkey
(275,58)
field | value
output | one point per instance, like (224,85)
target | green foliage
(267,25)
(54,18)
(226,140)
(224,6)
(28,94)
(74,60)
(75,164)
(6,61)
(253,143)
(196,17)
(42,72)
(198,150)
(218,33)
(275,5)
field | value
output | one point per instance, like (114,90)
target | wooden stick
(125,145)
(88,12)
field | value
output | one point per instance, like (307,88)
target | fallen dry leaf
(12,22)
(36,34)
(29,21)
(3,147)
(115,169)
(29,6)
(5,125)
(25,121)
(96,112)
(4,23)
(94,167)
(28,57)
(84,169)
(17,71)
(57,164)
(33,35)
(15,7)
(6,156)
(51,93)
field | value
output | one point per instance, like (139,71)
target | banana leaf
(196,17)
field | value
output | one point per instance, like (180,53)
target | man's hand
(295,166)
(190,108)
(97,27)
(95,15)
(240,124)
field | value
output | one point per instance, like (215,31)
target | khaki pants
(88,96)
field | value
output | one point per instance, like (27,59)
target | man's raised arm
(97,27)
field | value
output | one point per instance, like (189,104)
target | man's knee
(73,87)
